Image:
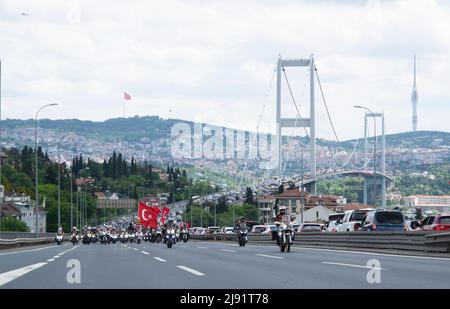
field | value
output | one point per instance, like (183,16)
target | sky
(213,61)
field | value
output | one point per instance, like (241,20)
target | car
(261,229)
(436,223)
(309,228)
(227,230)
(213,230)
(352,220)
(332,226)
(384,220)
(197,230)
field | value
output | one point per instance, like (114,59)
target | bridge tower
(297,122)
(383,158)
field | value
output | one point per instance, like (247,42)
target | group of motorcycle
(106,237)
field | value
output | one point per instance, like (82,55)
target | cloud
(214,59)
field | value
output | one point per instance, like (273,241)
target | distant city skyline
(212,62)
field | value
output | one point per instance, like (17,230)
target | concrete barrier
(409,241)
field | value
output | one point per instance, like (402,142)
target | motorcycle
(146,237)
(156,236)
(184,235)
(138,238)
(285,237)
(103,238)
(114,238)
(131,237)
(242,237)
(74,239)
(123,237)
(86,239)
(59,238)
(170,238)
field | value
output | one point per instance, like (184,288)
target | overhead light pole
(36,185)
(374,153)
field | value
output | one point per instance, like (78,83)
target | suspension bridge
(289,116)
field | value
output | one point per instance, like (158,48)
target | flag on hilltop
(126,96)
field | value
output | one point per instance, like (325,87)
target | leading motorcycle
(59,238)
(242,237)
(170,238)
(285,233)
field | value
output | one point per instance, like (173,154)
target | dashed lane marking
(159,259)
(270,256)
(190,270)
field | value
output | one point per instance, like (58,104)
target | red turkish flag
(165,212)
(148,215)
(126,96)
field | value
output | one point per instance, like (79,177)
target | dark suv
(383,220)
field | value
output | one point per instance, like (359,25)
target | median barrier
(423,241)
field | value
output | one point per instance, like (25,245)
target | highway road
(203,264)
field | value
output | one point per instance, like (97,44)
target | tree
(222,204)
(11,224)
(249,196)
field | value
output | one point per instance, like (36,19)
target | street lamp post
(36,206)
(374,153)
(302,198)
(59,187)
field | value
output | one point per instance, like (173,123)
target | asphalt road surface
(202,264)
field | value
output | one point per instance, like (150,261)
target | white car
(332,226)
(261,229)
(352,220)
(227,230)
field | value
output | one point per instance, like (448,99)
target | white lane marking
(372,253)
(56,257)
(50,260)
(227,250)
(200,247)
(159,259)
(184,246)
(135,249)
(270,256)
(14,274)
(353,265)
(192,271)
(144,252)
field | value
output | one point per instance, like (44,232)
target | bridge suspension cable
(266,96)
(325,103)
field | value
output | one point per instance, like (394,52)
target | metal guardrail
(21,242)
(23,235)
(412,241)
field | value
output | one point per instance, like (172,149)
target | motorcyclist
(241,225)
(131,228)
(281,214)
(280,219)
(169,224)
(60,231)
